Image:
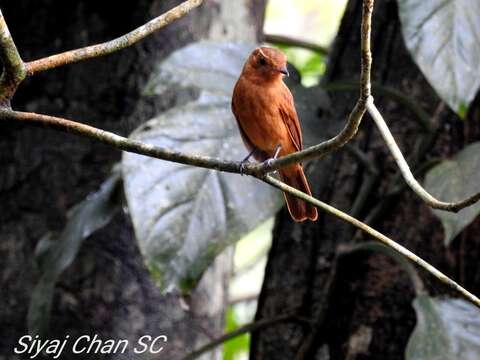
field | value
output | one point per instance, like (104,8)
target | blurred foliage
(253,246)
(310,64)
(316,21)
(311,20)
(236,348)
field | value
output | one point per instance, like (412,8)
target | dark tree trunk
(43,173)
(360,303)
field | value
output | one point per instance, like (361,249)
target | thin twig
(243,299)
(289,41)
(405,169)
(142,148)
(109,47)
(13,67)
(376,235)
(253,326)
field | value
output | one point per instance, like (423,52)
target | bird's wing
(290,119)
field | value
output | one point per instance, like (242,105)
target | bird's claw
(243,167)
(268,164)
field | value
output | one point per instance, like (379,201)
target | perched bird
(268,121)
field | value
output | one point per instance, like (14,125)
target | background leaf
(443,37)
(446,329)
(455,180)
(184,216)
(55,253)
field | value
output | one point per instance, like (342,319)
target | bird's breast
(257,111)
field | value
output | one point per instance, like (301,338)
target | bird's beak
(284,71)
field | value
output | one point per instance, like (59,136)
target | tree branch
(376,235)
(117,141)
(109,47)
(13,67)
(405,169)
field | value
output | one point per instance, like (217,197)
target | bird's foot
(269,162)
(243,167)
(244,162)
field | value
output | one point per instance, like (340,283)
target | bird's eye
(262,61)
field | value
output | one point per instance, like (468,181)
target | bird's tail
(299,209)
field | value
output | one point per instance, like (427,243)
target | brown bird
(268,121)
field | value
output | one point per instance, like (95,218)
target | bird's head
(266,63)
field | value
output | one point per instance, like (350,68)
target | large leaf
(446,329)
(55,253)
(184,216)
(455,180)
(444,38)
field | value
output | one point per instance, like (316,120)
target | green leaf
(185,216)
(443,37)
(462,111)
(310,64)
(55,253)
(446,329)
(238,345)
(455,180)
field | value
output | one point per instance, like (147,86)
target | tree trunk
(360,303)
(107,291)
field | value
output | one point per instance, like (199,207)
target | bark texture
(360,303)
(107,291)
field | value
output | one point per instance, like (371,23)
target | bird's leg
(278,148)
(245,161)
